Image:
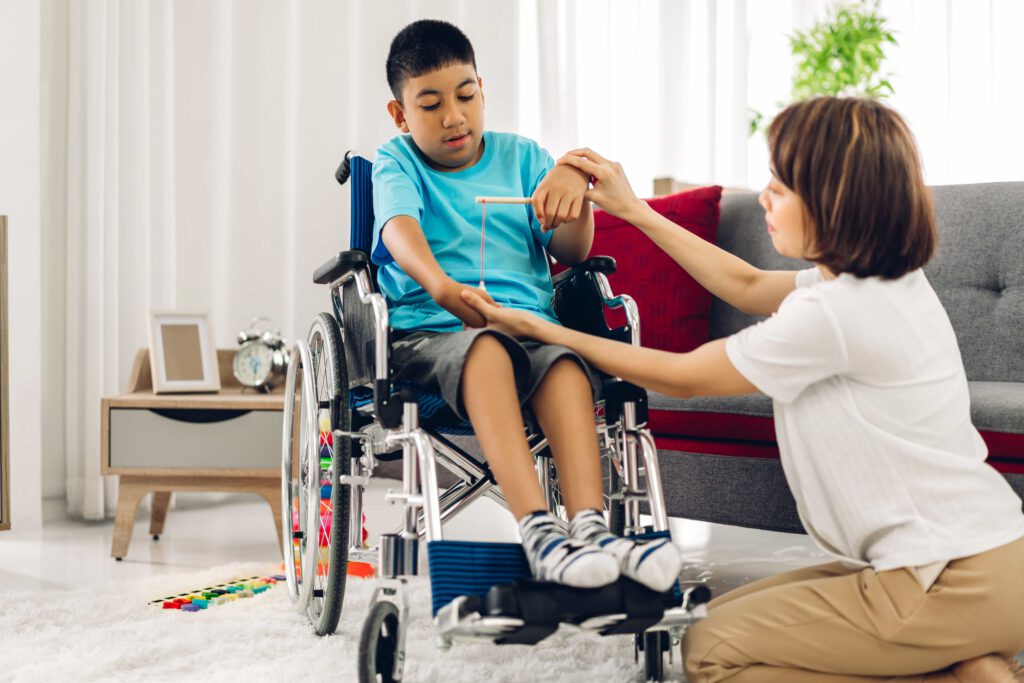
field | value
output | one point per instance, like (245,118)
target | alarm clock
(260,361)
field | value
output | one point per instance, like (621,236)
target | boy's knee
(487,353)
(486,345)
(566,372)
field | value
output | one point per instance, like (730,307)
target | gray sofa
(718,456)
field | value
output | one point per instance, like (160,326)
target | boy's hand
(559,197)
(449,297)
(508,320)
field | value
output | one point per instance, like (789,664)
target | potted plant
(842,55)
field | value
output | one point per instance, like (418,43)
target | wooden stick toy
(503,200)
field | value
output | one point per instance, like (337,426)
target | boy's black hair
(424,46)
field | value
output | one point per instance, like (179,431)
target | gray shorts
(434,362)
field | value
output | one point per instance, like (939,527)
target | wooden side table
(227,441)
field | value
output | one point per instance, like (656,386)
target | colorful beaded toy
(203,598)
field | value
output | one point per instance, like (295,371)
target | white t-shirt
(872,417)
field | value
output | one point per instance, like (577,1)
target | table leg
(129,495)
(273,497)
(161,501)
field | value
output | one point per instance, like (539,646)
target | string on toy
(483,224)
(483,232)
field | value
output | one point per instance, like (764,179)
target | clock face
(253,364)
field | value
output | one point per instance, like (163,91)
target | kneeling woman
(871,413)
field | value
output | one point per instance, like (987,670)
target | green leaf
(844,53)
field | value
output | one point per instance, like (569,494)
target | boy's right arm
(404,239)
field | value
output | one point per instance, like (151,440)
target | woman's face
(786,217)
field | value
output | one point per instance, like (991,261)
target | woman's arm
(706,371)
(728,277)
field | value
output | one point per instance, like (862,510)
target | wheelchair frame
(393,421)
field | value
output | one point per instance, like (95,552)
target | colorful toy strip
(210,596)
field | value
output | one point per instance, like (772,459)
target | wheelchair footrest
(527,611)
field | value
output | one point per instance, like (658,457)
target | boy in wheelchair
(428,249)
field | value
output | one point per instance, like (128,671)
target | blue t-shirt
(516,269)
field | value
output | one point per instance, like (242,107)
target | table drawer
(170,438)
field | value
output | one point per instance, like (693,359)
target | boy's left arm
(559,202)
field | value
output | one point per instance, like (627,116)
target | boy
(428,245)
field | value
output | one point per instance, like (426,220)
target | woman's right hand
(448,295)
(611,190)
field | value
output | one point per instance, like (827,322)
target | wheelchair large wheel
(291,535)
(323,500)
(378,644)
(612,482)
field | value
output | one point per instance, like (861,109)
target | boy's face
(444,112)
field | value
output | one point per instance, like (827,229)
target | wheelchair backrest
(361,227)
(357,318)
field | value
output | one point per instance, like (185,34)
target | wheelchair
(343,414)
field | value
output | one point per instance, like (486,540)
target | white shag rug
(110,633)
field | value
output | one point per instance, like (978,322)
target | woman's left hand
(611,190)
(508,320)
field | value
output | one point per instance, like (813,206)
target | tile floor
(68,553)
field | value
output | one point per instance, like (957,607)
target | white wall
(19,200)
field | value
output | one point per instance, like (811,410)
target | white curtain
(658,85)
(190,144)
(958,80)
(201,140)
(666,87)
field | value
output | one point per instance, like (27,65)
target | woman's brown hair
(854,164)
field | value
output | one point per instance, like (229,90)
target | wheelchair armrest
(339,264)
(595,264)
(582,295)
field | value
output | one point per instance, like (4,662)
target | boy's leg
(564,409)
(563,406)
(489,395)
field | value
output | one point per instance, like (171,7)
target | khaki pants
(836,625)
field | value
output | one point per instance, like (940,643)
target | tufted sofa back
(978,270)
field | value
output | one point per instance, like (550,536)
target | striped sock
(655,563)
(555,557)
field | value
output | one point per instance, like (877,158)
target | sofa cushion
(674,309)
(997,410)
(978,273)
(998,407)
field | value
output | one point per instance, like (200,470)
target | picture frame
(182,357)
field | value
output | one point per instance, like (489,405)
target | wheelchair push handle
(344,168)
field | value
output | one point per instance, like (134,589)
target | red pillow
(675,311)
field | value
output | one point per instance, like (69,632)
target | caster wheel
(378,644)
(156,537)
(653,645)
(118,559)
